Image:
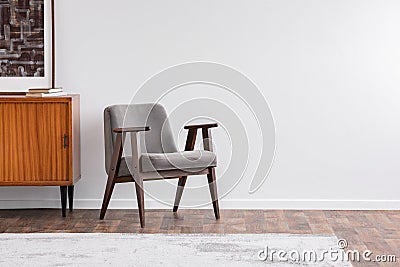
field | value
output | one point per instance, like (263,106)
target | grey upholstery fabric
(158,148)
(194,160)
(124,170)
(191,161)
(158,140)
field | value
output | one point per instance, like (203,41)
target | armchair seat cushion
(195,160)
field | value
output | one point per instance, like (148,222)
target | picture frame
(16,82)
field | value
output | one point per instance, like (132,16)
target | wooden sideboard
(40,143)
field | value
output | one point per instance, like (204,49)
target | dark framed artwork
(25,44)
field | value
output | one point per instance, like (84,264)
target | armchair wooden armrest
(201,126)
(206,132)
(132,129)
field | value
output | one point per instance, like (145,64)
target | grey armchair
(154,153)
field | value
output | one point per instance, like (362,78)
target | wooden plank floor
(378,231)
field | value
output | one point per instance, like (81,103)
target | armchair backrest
(158,140)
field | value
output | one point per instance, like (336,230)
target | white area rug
(161,250)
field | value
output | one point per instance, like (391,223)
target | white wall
(329,69)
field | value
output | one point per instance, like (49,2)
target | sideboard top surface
(19,98)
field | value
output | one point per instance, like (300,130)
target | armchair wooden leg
(114,167)
(179,192)
(190,142)
(107,195)
(212,183)
(140,199)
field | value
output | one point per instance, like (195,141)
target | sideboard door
(34,143)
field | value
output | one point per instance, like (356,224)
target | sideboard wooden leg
(71,197)
(63,191)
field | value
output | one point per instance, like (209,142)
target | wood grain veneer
(32,150)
